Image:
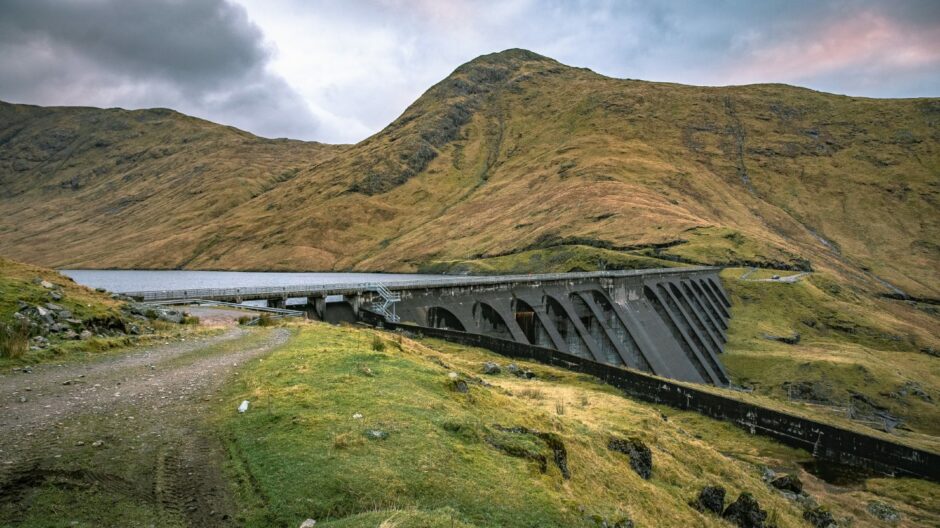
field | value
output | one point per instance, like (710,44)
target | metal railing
(303,290)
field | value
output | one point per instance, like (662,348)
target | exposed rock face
(641,458)
(551,440)
(711,498)
(790,483)
(745,512)
(819,517)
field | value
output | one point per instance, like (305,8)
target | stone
(883,511)
(460,386)
(58,327)
(97,443)
(241,408)
(745,512)
(711,498)
(42,312)
(790,483)
(309,523)
(65,314)
(791,339)
(85,335)
(46,284)
(54,307)
(375,434)
(133,329)
(491,368)
(23,399)
(170,316)
(40,341)
(56,296)
(641,458)
(69,334)
(820,517)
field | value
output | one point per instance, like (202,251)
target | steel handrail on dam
(349,287)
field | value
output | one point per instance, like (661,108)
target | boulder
(491,368)
(745,512)
(711,498)
(56,296)
(819,517)
(46,284)
(54,307)
(790,483)
(170,316)
(65,314)
(641,458)
(85,335)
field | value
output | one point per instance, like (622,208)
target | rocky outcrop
(641,458)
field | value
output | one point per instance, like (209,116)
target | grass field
(356,434)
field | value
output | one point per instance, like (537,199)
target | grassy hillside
(356,428)
(512,152)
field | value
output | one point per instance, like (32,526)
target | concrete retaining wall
(824,441)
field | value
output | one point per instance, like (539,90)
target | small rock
(56,296)
(820,517)
(65,314)
(309,523)
(46,284)
(460,386)
(790,483)
(85,335)
(97,443)
(376,434)
(711,498)
(69,334)
(101,290)
(767,474)
(23,399)
(67,382)
(491,368)
(241,408)
(745,512)
(54,307)
(357,416)
(883,511)
(79,443)
(641,458)
(791,339)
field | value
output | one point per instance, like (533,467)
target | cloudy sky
(338,71)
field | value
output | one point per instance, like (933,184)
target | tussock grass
(302,436)
(14,339)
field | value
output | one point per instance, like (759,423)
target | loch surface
(151,280)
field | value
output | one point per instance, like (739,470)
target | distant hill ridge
(513,152)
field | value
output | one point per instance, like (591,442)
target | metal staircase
(386,308)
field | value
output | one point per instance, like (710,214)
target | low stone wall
(824,441)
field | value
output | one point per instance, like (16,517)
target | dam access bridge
(669,322)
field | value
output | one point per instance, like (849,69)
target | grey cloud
(203,57)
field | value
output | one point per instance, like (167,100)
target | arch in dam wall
(531,323)
(570,329)
(440,317)
(490,321)
(631,355)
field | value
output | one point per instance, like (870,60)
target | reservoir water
(147,280)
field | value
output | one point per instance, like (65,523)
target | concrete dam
(667,322)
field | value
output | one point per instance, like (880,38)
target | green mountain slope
(513,151)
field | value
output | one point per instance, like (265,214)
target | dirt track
(133,427)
